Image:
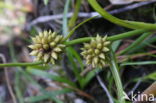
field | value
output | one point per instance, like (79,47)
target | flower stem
(20,64)
(114,69)
(111,38)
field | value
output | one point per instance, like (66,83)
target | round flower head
(95,51)
(47,47)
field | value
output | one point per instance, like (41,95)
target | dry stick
(8,80)
(43,19)
(104,88)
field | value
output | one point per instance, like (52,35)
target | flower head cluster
(47,46)
(95,51)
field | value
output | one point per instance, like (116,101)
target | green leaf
(73,19)
(136,43)
(65,19)
(50,76)
(77,57)
(115,20)
(115,45)
(143,44)
(151,76)
(47,95)
(139,63)
(76,27)
(46,2)
(73,64)
(89,76)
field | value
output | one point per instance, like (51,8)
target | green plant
(99,53)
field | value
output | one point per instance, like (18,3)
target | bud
(95,52)
(47,47)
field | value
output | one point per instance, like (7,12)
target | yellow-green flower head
(95,51)
(47,46)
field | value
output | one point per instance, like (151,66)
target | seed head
(95,51)
(47,46)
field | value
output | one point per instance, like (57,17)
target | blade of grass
(77,57)
(17,74)
(17,87)
(74,65)
(65,19)
(115,20)
(47,75)
(76,27)
(136,43)
(73,19)
(151,76)
(46,2)
(20,64)
(144,44)
(47,95)
(108,16)
(139,63)
(89,76)
(115,45)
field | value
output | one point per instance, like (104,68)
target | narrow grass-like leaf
(76,27)
(115,45)
(143,44)
(89,76)
(136,43)
(72,21)
(46,2)
(65,19)
(18,87)
(51,76)
(73,64)
(151,76)
(139,63)
(77,57)
(47,95)
(115,20)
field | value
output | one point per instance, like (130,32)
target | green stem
(135,43)
(75,15)
(76,27)
(111,38)
(20,64)
(114,69)
(124,23)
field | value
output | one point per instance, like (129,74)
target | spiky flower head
(95,52)
(47,46)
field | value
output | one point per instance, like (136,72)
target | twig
(43,19)
(104,88)
(8,80)
(88,69)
